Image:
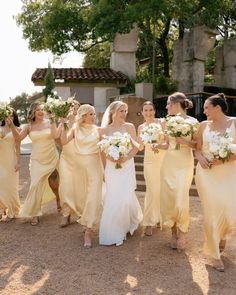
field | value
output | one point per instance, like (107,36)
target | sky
(17,62)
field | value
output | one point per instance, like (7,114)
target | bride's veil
(105,117)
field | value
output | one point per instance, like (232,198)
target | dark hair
(219,100)
(149,103)
(16,121)
(180,97)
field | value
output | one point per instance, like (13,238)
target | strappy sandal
(34,221)
(148,231)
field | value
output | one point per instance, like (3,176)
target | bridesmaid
(216,186)
(152,168)
(9,167)
(177,175)
(43,162)
(87,169)
(68,199)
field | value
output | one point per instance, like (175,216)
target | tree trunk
(164,48)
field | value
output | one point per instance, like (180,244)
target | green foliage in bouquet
(5,112)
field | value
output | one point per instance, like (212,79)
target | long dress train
(9,179)
(216,188)
(43,161)
(121,209)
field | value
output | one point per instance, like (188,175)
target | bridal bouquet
(220,146)
(151,133)
(116,146)
(177,126)
(58,107)
(5,112)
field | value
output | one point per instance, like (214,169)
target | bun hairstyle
(149,103)
(113,108)
(219,100)
(31,111)
(179,97)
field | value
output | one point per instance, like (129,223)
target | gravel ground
(49,260)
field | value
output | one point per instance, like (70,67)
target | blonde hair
(32,110)
(82,111)
(113,108)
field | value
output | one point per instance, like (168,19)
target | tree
(62,26)
(49,82)
(21,104)
(98,56)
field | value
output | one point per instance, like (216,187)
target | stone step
(141,187)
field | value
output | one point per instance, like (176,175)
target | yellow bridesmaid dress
(9,179)
(43,161)
(217,191)
(67,190)
(176,179)
(152,169)
(88,174)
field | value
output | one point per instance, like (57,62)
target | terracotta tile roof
(82,75)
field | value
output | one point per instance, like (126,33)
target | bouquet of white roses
(116,146)
(5,112)
(151,133)
(178,126)
(58,107)
(220,146)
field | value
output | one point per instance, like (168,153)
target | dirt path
(49,260)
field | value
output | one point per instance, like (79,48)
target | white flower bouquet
(58,108)
(116,146)
(151,133)
(177,126)
(220,146)
(5,112)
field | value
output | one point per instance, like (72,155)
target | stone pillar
(225,69)
(189,58)
(123,51)
(144,90)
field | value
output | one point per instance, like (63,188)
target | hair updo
(179,97)
(149,103)
(219,100)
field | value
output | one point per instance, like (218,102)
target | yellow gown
(176,179)
(67,187)
(152,168)
(88,174)
(9,179)
(217,191)
(43,161)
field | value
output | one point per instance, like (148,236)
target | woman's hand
(216,162)
(181,140)
(205,164)
(154,147)
(9,122)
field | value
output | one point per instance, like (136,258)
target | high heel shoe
(34,221)
(65,221)
(88,239)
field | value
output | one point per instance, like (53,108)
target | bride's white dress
(121,209)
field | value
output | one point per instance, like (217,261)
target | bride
(121,210)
